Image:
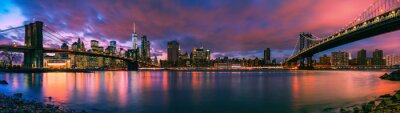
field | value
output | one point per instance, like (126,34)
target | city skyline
(252,29)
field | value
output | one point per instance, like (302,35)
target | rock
(368,107)
(3,82)
(342,110)
(19,95)
(356,110)
(394,76)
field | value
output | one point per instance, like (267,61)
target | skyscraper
(362,57)
(377,57)
(134,37)
(267,56)
(173,52)
(94,44)
(112,49)
(155,61)
(145,48)
(201,56)
(79,61)
(113,43)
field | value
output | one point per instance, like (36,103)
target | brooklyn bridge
(34,51)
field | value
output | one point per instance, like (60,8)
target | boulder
(394,76)
(3,82)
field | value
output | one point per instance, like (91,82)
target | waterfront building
(173,52)
(184,60)
(109,62)
(377,57)
(325,60)
(362,57)
(392,60)
(164,63)
(100,60)
(145,49)
(95,62)
(353,62)
(276,63)
(3,63)
(369,62)
(200,56)
(121,52)
(256,62)
(56,63)
(340,58)
(155,60)
(267,56)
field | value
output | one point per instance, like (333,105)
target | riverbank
(14,104)
(388,103)
(43,70)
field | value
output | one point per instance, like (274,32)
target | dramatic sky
(234,28)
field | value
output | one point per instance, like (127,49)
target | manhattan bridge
(383,16)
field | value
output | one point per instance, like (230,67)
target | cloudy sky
(234,28)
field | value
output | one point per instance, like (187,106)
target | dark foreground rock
(3,82)
(384,104)
(10,104)
(394,76)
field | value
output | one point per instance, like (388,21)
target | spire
(134,27)
(134,36)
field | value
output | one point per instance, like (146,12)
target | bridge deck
(381,24)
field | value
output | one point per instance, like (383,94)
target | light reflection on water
(201,91)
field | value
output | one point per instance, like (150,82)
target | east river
(201,91)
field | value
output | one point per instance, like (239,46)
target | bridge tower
(302,47)
(306,62)
(34,40)
(132,66)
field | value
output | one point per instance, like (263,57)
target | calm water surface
(201,91)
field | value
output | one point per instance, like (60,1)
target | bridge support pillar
(34,40)
(306,63)
(310,63)
(302,64)
(132,66)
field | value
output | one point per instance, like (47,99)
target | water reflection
(187,91)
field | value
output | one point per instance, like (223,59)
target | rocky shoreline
(384,104)
(15,104)
(388,103)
